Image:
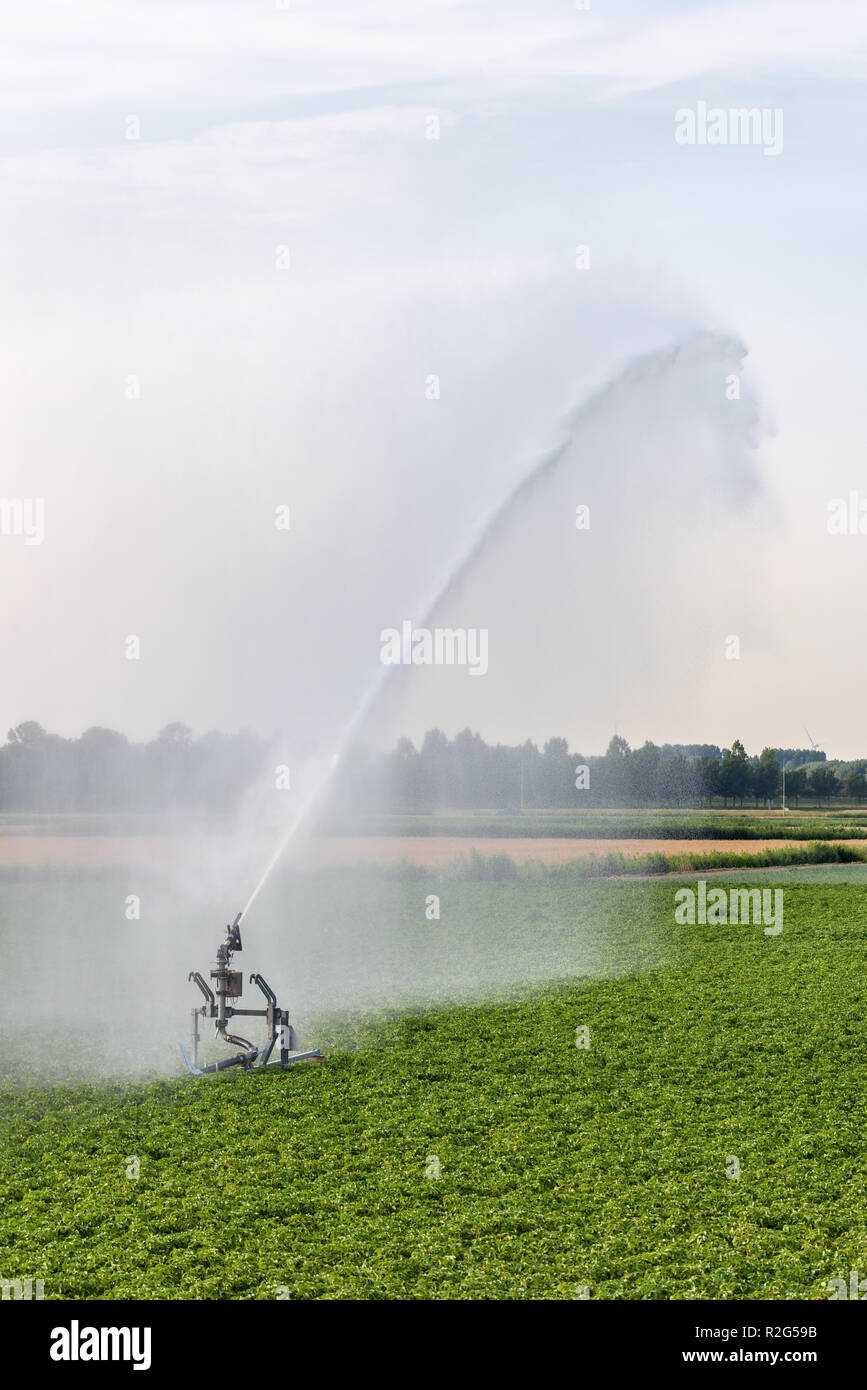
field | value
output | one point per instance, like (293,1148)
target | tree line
(105,771)
(469,773)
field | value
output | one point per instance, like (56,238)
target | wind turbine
(813,744)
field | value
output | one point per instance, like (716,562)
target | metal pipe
(235,1041)
(206,990)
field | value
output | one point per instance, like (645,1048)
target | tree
(823,783)
(856,786)
(27,735)
(679,781)
(557,773)
(735,772)
(469,751)
(176,735)
(796,784)
(531,776)
(105,770)
(641,773)
(404,777)
(436,768)
(614,771)
(766,776)
(710,778)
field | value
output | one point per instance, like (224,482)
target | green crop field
(651,824)
(470,1149)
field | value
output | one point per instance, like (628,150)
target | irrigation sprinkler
(228,984)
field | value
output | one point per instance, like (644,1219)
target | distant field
(608,842)
(139,852)
(628,825)
(650,824)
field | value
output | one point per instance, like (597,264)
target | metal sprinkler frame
(228,984)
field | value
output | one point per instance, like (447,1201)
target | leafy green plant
(559,1165)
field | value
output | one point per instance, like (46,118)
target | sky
(324,257)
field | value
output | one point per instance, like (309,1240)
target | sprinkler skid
(228,985)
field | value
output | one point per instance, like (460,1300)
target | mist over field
(647,451)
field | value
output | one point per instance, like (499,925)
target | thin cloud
(188,56)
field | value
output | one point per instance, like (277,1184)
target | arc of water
(486,527)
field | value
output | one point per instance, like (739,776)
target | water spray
(228,984)
(486,528)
